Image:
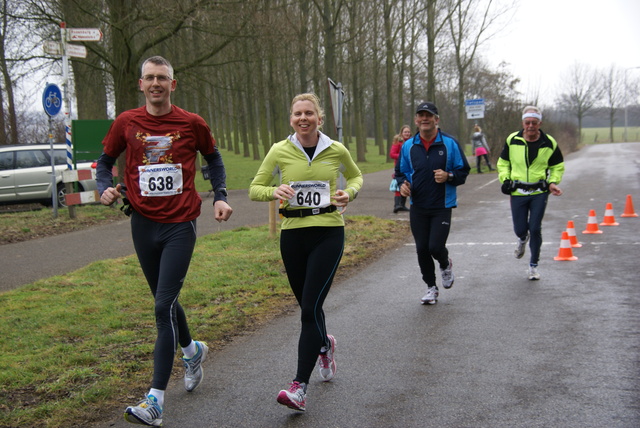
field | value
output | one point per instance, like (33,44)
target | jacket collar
(416,138)
(543,137)
(323,143)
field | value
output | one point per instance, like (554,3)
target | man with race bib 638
(161,142)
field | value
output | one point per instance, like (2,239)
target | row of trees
(239,62)
(589,89)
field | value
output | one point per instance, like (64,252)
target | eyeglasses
(161,78)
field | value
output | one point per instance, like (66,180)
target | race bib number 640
(311,194)
(160,180)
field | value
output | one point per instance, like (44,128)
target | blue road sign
(52,99)
(475,102)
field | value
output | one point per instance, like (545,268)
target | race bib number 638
(160,180)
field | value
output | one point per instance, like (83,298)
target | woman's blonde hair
(308,97)
(477,128)
(398,139)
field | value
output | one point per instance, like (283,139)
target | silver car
(25,173)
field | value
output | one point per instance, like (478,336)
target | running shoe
(533,273)
(295,397)
(327,362)
(147,412)
(193,367)
(447,275)
(520,246)
(431,297)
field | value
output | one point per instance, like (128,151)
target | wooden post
(272,218)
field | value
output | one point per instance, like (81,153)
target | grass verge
(39,223)
(75,348)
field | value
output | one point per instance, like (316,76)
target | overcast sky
(546,37)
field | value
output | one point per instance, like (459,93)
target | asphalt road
(497,350)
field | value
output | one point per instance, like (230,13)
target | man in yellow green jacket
(530,167)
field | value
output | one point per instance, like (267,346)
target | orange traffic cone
(609,219)
(592,224)
(571,231)
(628,208)
(565,252)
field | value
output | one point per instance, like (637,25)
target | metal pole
(340,101)
(54,194)
(67,105)
(65,92)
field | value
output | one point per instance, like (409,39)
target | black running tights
(430,230)
(164,251)
(311,256)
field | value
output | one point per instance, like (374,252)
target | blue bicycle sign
(52,99)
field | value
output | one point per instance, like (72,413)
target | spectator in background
(480,148)
(398,200)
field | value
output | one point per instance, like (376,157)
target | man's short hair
(157,60)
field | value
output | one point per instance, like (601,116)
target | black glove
(508,186)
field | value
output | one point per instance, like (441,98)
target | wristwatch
(450,176)
(222,190)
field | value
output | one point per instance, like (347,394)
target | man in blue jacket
(430,167)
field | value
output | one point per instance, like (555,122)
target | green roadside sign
(87,136)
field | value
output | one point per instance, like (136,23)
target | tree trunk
(12,137)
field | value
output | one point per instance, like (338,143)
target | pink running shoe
(295,397)
(327,362)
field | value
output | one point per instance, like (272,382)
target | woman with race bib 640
(312,238)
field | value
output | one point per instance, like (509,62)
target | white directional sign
(474,108)
(52,48)
(84,34)
(77,51)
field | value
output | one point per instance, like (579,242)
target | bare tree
(471,23)
(614,94)
(8,30)
(583,91)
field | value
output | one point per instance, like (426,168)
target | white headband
(532,114)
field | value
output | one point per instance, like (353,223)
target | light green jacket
(288,159)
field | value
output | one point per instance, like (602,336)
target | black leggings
(430,229)
(311,256)
(164,251)
(479,160)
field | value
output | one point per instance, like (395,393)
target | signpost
(52,103)
(474,108)
(337,100)
(64,50)
(77,51)
(84,34)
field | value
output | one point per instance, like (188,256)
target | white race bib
(161,179)
(311,194)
